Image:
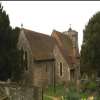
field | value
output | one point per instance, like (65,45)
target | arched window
(60,69)
(26,65)
(21,57)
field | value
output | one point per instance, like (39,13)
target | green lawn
(57,91)
(46,98)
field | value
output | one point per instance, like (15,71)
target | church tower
(73,35)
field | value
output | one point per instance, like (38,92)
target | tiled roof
(65,46)
(41,44)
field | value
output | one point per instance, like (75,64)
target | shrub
(72,93)
(89,86)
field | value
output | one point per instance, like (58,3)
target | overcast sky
(44,16)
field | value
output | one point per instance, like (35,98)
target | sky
(44,16)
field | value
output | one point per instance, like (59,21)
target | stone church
(49,60)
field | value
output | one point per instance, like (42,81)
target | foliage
(57,91)
(9,54)
(97,97)
(89,86)
(72,93)
(5,30)
(92,86)
(90,53)
(16,57)
(46,98)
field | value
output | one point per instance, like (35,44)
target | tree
(90,51)
(15,56)
(5,30)
(9,54)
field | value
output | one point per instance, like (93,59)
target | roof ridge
(36,32)
(40,44)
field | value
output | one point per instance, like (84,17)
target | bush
(72,93)
(89,86)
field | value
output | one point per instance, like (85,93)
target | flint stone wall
(12,92)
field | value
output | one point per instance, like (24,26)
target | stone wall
(15,92)
(39,73)
(23,44)
(43,73)
(65,68)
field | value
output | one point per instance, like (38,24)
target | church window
(72,74)
(21,56)
(60,69)
(26,68)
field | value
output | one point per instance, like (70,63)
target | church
(49,60)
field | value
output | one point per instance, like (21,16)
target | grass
(57,91)
(46,98)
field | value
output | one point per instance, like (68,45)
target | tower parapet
(73,35)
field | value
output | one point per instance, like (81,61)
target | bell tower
(73,35)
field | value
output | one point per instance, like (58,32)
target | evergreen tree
(90,52)
(9,54)
(5,30)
